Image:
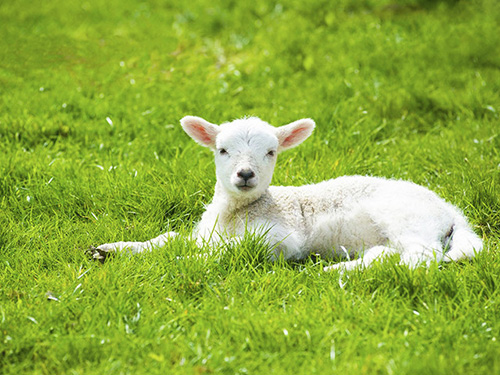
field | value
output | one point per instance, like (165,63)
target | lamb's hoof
(100,254)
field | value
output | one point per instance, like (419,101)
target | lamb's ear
(295,133)
(200,130)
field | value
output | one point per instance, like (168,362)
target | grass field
(91,151)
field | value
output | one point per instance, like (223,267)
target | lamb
(352,217)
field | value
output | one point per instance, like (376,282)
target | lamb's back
(325,196)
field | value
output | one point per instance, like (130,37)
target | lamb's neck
(228,203)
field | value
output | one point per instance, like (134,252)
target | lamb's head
(246,149)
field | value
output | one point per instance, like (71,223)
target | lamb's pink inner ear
(202,134)
(200,130)
(294,133)
(293,138)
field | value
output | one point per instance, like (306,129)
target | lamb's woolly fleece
(353,213)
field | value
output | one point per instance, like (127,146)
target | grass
(91,152)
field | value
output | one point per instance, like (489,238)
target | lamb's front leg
(101,252)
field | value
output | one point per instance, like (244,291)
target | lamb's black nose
(245,174)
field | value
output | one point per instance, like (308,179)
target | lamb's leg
(370,255)
(101,252)
(414,253)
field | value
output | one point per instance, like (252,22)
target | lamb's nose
(246,174)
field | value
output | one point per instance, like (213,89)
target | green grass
(91,94)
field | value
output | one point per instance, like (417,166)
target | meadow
(91,151)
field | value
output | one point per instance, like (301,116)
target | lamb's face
(245,156)
(245,150)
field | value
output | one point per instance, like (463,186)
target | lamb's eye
(222,151)
(271,153)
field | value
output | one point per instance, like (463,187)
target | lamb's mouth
(245,187)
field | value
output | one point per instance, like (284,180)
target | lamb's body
(345,217)
(348,217)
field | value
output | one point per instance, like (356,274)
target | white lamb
(353,217)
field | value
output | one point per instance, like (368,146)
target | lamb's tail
(463,242)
